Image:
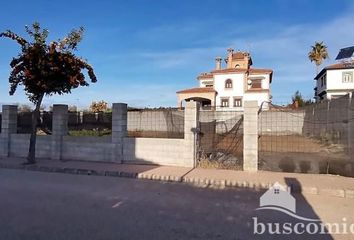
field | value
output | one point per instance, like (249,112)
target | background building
(229,86)
(336,80)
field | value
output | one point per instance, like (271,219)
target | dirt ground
(290,143)
(155,134)
(269,143)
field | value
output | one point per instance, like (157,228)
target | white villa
(228,87)
(338,79)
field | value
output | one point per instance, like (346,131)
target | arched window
(237,66)
(228,83)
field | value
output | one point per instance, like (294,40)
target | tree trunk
(31,158)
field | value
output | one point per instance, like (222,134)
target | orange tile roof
(243,70)
(237,70)
(260,70)
(198,90)
(349,65)
(205,76)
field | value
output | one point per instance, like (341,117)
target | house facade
(227,87)
(336,80)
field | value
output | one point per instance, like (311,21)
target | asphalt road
(36,205)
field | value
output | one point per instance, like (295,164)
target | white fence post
(250,136)
(119,129)
(60,129)
(191,117)
(8,127)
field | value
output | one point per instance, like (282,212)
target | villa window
(225,102)
(323,80)
(237,102)
(256,84)
(228,83)
(347,77)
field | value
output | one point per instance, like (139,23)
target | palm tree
(318,53)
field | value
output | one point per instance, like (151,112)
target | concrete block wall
(162,151)
(281,123)
(177,152)
(155,151)
(250,136)
(115,148)
(19,144)
(99,149)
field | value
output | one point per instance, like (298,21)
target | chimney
(229,57)
(218,63)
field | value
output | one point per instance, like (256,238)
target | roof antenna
(249,46)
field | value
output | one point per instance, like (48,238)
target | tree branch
(15,37)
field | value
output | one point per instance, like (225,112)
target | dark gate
(220,140)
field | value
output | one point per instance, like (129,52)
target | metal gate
(220,139)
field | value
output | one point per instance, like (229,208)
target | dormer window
(256,83)
(228,83)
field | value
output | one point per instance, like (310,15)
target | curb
(199,182)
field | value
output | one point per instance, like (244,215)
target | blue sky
(144,51)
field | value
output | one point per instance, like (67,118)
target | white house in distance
(229,87)
(336,80)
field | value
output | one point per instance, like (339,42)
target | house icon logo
(279,198)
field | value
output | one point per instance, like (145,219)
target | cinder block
(349,193)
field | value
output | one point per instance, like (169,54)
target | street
(37,205)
